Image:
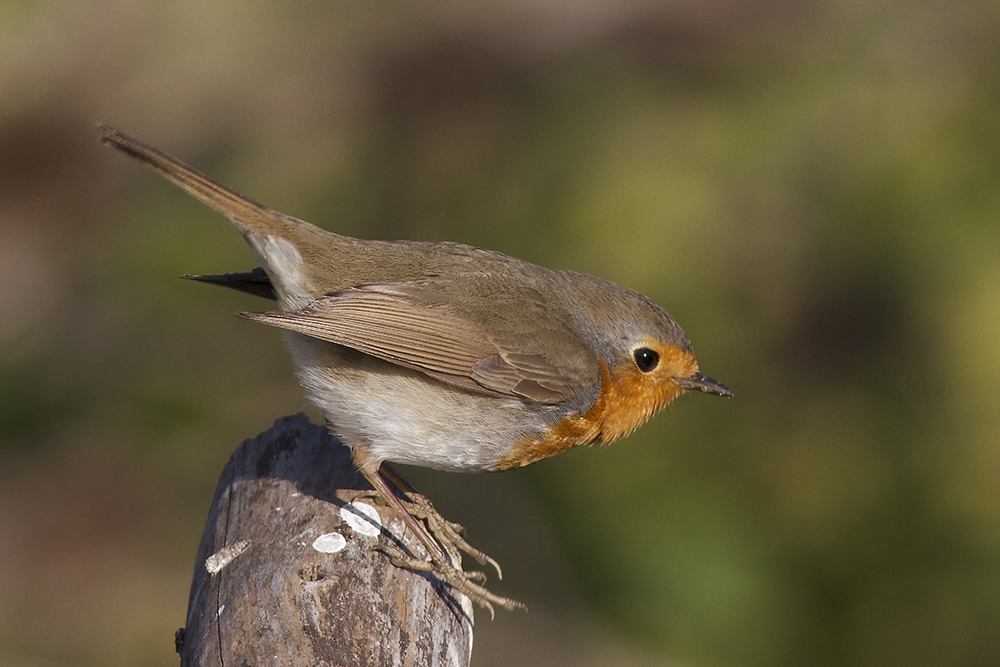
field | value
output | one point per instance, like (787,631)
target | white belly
(407,417)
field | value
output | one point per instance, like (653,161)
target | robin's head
(647,361)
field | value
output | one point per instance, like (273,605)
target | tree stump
(286,573)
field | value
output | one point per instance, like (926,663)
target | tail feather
(254,282)
(242,211)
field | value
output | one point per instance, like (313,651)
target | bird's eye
(646,359)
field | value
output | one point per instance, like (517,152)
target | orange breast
(628,399)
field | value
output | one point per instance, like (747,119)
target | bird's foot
(443,540)
(448,542)
(448,534)
(467,583)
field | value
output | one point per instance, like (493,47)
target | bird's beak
(702,382)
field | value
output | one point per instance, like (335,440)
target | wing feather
(416,328)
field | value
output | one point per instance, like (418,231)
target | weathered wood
(281,594)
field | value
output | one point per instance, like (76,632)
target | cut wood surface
(286,573)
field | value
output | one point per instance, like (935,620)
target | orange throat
(628,399)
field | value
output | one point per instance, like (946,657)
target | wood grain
(275,599)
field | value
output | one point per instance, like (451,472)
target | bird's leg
(440,565)
(444,531)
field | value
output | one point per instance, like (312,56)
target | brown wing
(416,328)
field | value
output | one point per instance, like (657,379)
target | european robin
(447,356)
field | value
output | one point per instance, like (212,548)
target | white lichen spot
(362,517)
(329,543)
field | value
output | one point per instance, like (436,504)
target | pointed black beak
(701,382)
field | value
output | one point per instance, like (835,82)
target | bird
(445,355)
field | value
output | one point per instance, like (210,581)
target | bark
(271,586)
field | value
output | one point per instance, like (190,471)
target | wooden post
(286,573)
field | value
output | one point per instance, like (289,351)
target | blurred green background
(811,189)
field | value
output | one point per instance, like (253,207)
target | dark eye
(646,359)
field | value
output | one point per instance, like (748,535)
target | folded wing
(416,327)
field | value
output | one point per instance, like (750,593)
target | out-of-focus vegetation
(812,191)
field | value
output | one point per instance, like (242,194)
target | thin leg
(433,548)
(397,480)
(440,565)
(444,531)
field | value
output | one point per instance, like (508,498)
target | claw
(446,532)
(496,566)
(463,582)
(442,539)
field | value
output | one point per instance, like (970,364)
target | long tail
(245,213)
